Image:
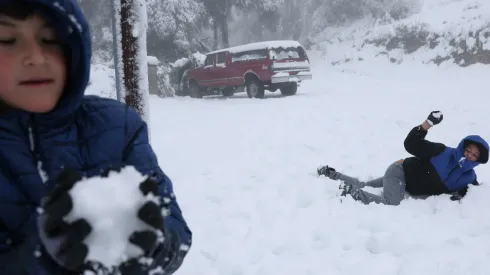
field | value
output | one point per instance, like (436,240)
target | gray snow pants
(393,183)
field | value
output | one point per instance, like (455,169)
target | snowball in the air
(110,205)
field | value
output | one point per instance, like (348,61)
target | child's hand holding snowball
(84,223)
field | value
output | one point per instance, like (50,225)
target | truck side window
(209,60)
(221,58)
(249,55)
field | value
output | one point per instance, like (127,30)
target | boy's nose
(35,56)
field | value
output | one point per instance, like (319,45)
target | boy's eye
(7,41)
(51,41)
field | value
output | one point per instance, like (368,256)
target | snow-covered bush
(165,88)
(464,49)
(174,75)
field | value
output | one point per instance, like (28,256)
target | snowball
(110,206)
(461,161)
(437,114)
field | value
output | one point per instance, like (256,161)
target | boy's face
(32,65)
(471,152)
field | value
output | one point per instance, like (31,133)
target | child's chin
(40,107)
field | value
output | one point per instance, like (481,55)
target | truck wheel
(255,88)
(289,89)
(195,91)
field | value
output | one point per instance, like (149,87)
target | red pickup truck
(252,68)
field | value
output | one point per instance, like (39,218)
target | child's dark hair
(19,9)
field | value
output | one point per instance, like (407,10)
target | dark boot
(325,170)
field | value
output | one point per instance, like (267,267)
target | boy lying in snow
(435,169)
(47,125)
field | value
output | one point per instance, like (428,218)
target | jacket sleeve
(16,248)
(8,252)
(16,238)
(416,144)
(139,153)
(14,257)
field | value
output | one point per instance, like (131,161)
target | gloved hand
(434,118)
(151,214)
(456,196)
(62,241)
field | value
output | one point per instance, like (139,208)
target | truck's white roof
(260,45)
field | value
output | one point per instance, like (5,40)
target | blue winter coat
(439,169)
(454,169)
(87,133)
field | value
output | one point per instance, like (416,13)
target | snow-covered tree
(175,28)
(99,17)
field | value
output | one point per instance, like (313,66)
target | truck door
(221,72)
(206,75)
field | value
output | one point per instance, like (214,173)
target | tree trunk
(129,53)
(117,49)
(134,59)
(223,23)
(215,33)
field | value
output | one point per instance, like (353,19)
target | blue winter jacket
(86,133)
(439,169)
(453,168)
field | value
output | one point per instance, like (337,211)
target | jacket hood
(482,146)
(72,27)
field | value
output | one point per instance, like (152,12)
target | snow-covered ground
(244,173)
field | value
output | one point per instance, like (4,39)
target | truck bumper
(285,77)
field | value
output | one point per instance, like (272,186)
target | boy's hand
(151,214)
(455,196)
(63,241)
(434,118)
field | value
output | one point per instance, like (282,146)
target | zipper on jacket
(35,152)
(460,165)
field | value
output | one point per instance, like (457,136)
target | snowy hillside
(441,30)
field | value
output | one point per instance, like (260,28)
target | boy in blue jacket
(51,136)
(434,169)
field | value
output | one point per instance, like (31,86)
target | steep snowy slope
(444,30)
